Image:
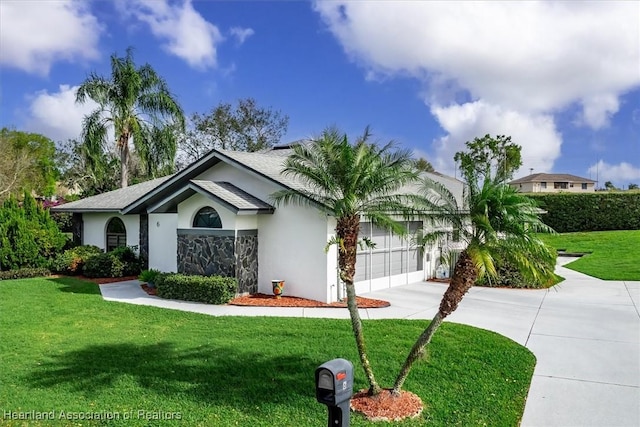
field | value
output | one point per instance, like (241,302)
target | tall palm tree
(498,223)
(134,103)
(351,182)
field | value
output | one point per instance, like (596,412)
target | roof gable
(227,194)
(265,165)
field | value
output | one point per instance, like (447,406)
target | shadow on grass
(75,286)
(208,374)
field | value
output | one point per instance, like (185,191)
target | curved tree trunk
(347,232)
(464,276)
(417,351)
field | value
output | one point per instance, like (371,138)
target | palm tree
(499,224)
(351,182)
(137,105)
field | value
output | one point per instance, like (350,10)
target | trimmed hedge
(600,211)
(24,273)
(206,289)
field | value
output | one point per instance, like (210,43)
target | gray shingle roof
(112,201)
(551,177)
(233,196)
(269,164)
(159,192)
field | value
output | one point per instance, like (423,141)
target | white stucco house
(216,217)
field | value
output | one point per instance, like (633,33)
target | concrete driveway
(585,334)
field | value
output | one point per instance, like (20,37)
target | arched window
(116,234)
(207,217)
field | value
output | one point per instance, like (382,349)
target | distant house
(553,183)
(215,217)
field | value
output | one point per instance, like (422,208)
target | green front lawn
(64,348)
(613,255)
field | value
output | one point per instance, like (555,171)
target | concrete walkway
(584,332)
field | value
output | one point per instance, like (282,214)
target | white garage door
(393,261)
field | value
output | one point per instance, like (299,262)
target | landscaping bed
(264,300)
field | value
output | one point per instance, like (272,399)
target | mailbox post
(334,388)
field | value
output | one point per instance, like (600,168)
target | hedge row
(206,289)
(599,211)
(24,273)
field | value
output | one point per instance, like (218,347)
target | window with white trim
(116,234)
(207,217)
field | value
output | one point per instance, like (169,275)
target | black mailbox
(334,388)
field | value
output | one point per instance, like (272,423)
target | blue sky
(562,78)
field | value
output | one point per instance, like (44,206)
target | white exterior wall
(187,211)
(95,228)
(332,265)
(291,241)
(246,222)
(163,242)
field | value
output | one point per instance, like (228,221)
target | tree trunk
(464,276)
(417,351)
(123,145)
(347,233)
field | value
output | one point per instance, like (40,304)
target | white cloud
(621,174)
(185,32)
(56,115)
(241,34)
(516,63)
(597,110)
(525,55)
(34,35)
(536,133)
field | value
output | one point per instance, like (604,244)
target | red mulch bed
(148,289)
(264,300)
(385,407)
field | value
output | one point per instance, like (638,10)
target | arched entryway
(116,234)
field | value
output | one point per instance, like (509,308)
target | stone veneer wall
(144,241)
(220,252)
(207,254)
(247,261)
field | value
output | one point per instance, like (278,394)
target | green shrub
(73,260)
(510,277)
(149,276)
(120,262)
(24,273)
(127,256)
(28,235)
(207,289)
(103,265)
(601,211)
